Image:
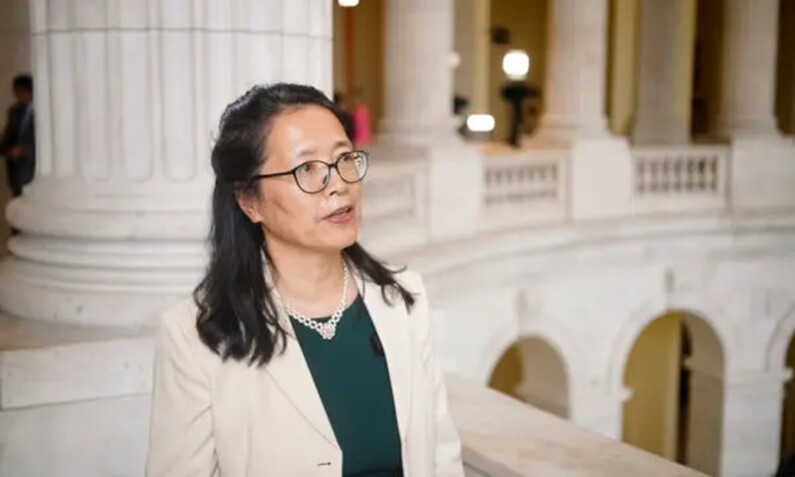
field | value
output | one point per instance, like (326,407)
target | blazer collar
(391,323)
(292,376)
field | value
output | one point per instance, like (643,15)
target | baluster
(713,174)
(640,176)
(702,173)
(678,166)
(691,174)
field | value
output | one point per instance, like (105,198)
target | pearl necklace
(328,329)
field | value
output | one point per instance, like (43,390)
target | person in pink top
(362,126)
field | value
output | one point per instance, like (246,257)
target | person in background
(362,124)
(18,143)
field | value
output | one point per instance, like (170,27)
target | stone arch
(534,369)
(780,356)
(497,346)
(694,388)
(783,334)
(702,325)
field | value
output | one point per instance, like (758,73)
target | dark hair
(237,316)
(23,81)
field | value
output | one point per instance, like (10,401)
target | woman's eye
(306,167)
(346,157)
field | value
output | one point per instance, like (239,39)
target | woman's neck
(310,281)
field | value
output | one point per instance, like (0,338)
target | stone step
(47,364)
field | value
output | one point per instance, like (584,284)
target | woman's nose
(335,183)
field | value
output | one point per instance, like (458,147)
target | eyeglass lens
(313,176)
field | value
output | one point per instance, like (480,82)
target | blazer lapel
(391,324)
(292,376)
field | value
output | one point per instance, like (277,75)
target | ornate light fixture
(516,64)
(480,123)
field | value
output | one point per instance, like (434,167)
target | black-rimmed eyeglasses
(313,176)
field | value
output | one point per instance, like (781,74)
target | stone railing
(45,366)
(503,437)
(681,178)
(524,189)
(506,190)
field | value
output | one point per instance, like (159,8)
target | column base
(560,137)
(74,265)
(397,132)
(762,163)
(130,296)
(766,129)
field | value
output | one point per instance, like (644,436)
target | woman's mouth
(343,215)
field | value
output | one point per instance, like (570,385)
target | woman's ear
(250,204)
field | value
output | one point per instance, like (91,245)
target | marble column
(751,434)
(750,37)
(734,422)
(418,75)
(665,87)
(128,96)
(574,94)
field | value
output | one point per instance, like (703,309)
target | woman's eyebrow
(342,143)
(304,152)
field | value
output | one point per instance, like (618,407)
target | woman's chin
(340,240)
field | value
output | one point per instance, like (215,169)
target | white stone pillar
(128,95)
(574,95)
(734,422)
(751,423)
(418,80)
(665,88)
(750,37)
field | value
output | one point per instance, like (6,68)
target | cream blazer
(230,419)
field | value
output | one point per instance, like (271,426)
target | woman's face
(326,220)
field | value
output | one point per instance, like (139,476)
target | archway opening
(533,371)
(674,371)
(788,413)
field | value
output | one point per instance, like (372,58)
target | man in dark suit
(18,142)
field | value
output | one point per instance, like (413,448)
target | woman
(247,381)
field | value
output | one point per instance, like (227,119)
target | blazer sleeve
(447,456)
(181,437)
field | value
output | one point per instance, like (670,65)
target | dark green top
(351,376)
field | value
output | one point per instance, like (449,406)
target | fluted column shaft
(750,38)
(665,88)
(128,97)
(418,74)
(574,96)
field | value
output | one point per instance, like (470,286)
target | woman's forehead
(306,130)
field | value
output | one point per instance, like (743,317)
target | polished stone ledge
(47,364)
(503,437)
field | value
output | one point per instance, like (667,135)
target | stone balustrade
(534,187)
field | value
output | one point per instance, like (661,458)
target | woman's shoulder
(180,318)
(177,329)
